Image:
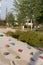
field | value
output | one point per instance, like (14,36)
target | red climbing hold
(20,50)
(7,45)
(41,57)
(7,34)
(32,59)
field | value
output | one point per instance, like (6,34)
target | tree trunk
(22,27)
(31,24)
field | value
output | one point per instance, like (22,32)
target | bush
(15,35)
(22,37)
(31,37)
(10,33)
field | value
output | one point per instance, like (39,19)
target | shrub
(31,37)
(15,35)
(22,37)
(10,33)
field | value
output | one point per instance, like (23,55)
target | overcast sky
(3,7)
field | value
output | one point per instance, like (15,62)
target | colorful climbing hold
(7,45)
(6,53)
(41,57)
(17,57)
(6,34)
(32,59)
(12,43)
(9,39)
(31,53)
(1,35)
(20,50)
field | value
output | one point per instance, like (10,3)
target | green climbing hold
(31,53)
(17,57)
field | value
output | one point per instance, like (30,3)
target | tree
(20,17)
(40,18)
(29,8)
(10,19)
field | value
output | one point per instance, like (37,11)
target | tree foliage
(40,18)
(17,5)
(10,19)
(28,8)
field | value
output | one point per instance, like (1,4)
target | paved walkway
(6,30)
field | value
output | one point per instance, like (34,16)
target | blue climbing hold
(12,43)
